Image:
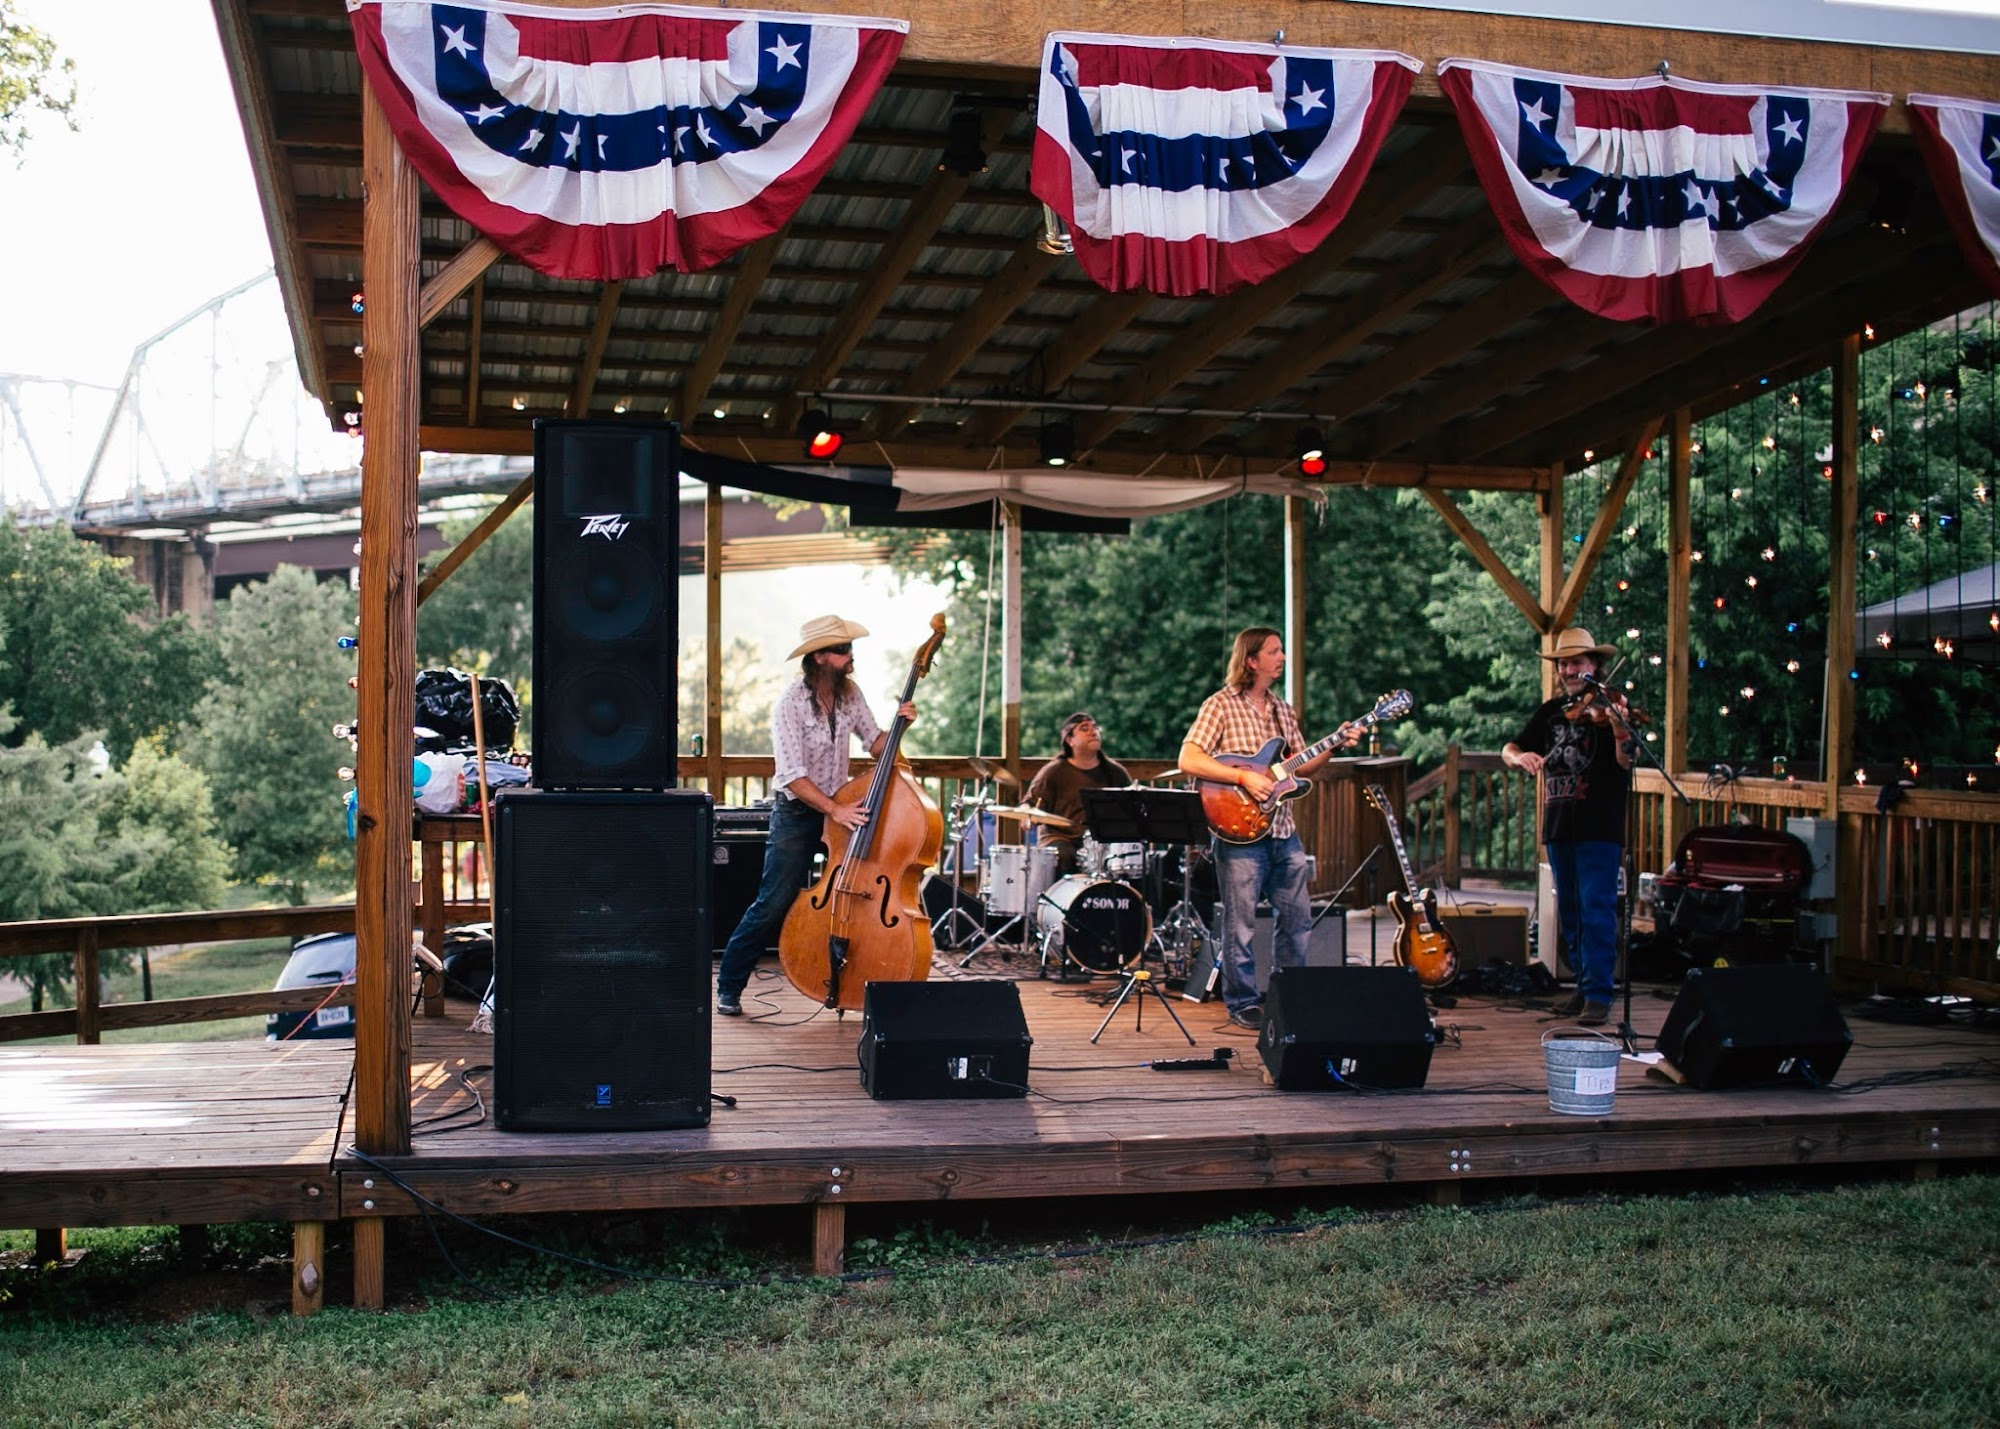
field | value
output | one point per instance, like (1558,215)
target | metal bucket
(1583,1070)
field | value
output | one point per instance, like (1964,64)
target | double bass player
(811,729)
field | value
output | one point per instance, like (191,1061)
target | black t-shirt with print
(1583,785)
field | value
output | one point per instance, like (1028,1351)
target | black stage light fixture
(817,431)
(1058,442)
(963,155)
(1310,449)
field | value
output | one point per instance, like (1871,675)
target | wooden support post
(432,894)
(1837,747)
(1010,641)
(1680,575)
(193,1241)
(1295,605)
(1447,1193)
(829,1238)
(309,1267)
(51,1245)
(1549,510)
(370,1243)
(1453,818)
(711,584)
(89,989)
(389,460)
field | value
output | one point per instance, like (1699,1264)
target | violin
(1600,704)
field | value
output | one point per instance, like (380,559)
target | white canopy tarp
(1962,609)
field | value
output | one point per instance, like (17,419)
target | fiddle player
(1058,786)
(811,727)
(1582,749)
(1240,718)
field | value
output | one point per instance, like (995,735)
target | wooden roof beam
(753,269)
(1514,299)
(451,280)
(1047,370)
(971,331)
(1394,187)
(1666,347)
(1608,515)
(593,350)
(1343,328)
(899,253)
(1489,560)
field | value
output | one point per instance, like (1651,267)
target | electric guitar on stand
(1236,818)
(1422,944)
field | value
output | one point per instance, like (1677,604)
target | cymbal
(986,769)
(1033,816)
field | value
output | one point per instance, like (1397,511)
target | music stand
(1142,814)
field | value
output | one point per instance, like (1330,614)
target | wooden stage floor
(212,1132)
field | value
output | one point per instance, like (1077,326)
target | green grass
(250,966)
(1859,1305)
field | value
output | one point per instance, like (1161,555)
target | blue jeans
(796,828)
(1270,868)
(1586,877)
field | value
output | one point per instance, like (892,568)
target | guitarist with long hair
(1239,719)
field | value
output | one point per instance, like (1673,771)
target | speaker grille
(607,617)
(602,949)
(1365,1028)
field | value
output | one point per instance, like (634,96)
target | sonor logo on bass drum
(1105,901)
(610,527)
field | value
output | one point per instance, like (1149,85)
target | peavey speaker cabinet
(601,951)
(607,617)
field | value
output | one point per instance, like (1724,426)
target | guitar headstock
(928,650)
(1393,705)
(1379,797)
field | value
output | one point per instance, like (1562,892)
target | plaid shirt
(804,742)
(1230,722)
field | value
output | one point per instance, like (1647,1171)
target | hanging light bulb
(1885,639)
(1631,632)
(1861,776)
(1750,581)
(1769,553)
(1749,692)
(1791,667)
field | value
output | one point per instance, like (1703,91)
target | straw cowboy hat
(1577,641)
(825,631)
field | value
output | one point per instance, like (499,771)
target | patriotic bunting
(611,143)
(1960,140)
(1658,199)
(1197,166)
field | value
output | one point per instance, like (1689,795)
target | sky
(112,233)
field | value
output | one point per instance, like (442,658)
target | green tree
(32,77)
(79,840)
(749,689)
(263,732)
(482,618)
(80,648)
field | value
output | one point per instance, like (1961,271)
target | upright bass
(863,921)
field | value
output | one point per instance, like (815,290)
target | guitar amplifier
(1487,933)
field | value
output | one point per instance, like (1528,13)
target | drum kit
(1107,919)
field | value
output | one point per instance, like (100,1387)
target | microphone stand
(1629,893)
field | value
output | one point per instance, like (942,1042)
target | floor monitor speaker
(606,612)
(601,948)
(1366,1028)
(943,1039)
(1743,1026)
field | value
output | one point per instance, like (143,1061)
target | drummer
(1058,787)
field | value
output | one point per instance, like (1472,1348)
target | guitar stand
(1140,979)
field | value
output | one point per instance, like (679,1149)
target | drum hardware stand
(1137,977)
(945,927)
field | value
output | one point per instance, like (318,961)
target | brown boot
(1572,1007)
(1594,1014)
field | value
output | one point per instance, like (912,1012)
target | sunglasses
(840,649)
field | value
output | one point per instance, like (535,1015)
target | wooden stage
(214,1132)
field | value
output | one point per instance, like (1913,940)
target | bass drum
(1102,925)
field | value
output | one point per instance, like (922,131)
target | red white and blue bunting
(1197,166)
(611,143)
(1960,140)
(1658,199)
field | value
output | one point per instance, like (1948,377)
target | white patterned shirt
(804,744)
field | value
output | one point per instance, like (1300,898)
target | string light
(1861,776)
(1624,585)
(358,303)
(1750,581)
(1770,444)
(1631,632)
(1769,553)
(1885,640)
(1749,692)
(1722,710)
(1943,647)
(1791,667)
(1722,602)
(1653,660)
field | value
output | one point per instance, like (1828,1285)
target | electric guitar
(1422,944)
(1236,818)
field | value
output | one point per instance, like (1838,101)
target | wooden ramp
(196,1133)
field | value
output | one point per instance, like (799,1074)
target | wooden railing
(1918,902)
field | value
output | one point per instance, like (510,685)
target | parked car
(324,960)
(327,959)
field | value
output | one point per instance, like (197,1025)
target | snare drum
(1126,861)
(1103,925)
(1013,876)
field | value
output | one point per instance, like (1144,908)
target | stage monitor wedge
(607,613)
(943,1040)
(601,949)
(1362,1028)
(1755,1025)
